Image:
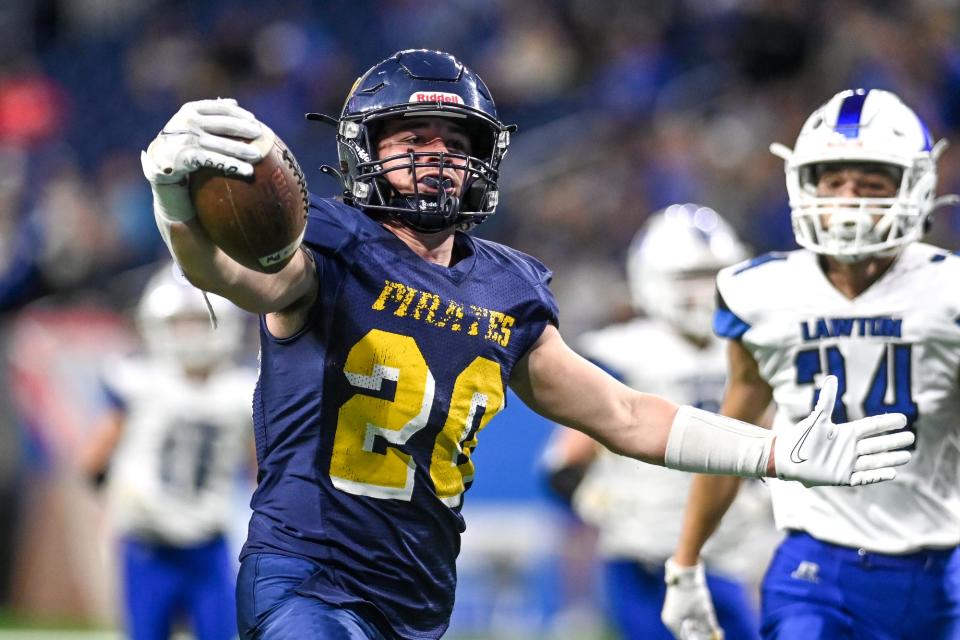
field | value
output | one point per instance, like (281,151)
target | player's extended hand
(200,134)
(818,452)
(687,607)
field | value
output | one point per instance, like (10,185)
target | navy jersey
(366,419)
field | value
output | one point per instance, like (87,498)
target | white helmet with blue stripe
(874,129)
(673,261)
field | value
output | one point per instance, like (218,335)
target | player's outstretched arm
(215,133)
(557,383)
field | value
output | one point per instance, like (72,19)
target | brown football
(257,221)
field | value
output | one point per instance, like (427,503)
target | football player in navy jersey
(387,344)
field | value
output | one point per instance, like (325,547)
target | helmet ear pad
(482,139)
(374,130)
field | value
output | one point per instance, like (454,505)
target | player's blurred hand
(687,607)
(200,134)
(818,452)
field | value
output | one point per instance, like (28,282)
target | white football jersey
(896,347)
(638,508)
(172,475)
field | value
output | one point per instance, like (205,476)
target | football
(258,220)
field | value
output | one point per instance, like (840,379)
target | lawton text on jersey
(879,327)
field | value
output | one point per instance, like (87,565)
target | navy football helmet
(416,83)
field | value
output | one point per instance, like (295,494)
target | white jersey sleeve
(895,347)
(638,508)
(172,475)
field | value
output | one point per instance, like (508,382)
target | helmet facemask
(188,341)
(851,228)
(683,299)
(419,83)
(428,210)
(172,317)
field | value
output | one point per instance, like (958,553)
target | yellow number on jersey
(382,357)
(478,388)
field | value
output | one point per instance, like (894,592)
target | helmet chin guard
(872,130)
(421,83)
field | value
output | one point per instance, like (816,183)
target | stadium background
(624,106)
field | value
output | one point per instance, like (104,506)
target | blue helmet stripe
(927,138)
(848,120)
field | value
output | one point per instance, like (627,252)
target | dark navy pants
(269,607)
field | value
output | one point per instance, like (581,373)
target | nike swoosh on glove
(817,452)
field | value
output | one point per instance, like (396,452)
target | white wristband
(705,442)
(172,202)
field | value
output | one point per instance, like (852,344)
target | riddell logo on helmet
(436,96)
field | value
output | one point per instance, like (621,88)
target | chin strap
(425,215)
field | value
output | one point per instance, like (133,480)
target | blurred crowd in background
(623,107)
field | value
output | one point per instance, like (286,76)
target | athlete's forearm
(562,386)
(747,398)
(210,269)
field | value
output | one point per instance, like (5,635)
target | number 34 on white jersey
(894,348)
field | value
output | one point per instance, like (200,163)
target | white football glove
(196,136)
(818,452)
(687,607)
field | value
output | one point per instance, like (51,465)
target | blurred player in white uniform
(637,508)
(863,300)
(171,449)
